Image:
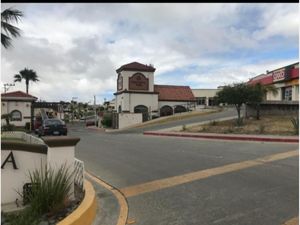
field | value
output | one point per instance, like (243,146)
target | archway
(142,109)
(166,110)
(179,109)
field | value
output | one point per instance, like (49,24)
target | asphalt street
(262,194)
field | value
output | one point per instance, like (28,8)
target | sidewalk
(264,138)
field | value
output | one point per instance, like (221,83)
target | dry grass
(273,125)
(176,117)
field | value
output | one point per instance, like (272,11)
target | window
(16,115)
(287,93)
(201,101)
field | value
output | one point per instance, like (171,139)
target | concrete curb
(86,211)
(123,215)
(225,136)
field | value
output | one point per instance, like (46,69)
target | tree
(27,75)
(237,95)
(7,30)
(258,93)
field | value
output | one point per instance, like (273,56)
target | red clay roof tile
(17,94)
(174,93)
(135,66)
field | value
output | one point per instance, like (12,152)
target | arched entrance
(179,109)
(142,109)
(166,110)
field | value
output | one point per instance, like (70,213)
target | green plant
(9,127)
(24,217)
(239,122)
(295,122)
(27,126)
(50,189)
(183,127)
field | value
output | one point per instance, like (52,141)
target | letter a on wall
(10,158)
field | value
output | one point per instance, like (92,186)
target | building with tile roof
(137,93)
(18,104)
(285,79)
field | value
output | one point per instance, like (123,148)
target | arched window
(16,115)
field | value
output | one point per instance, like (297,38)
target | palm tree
(7,30)
(27,75)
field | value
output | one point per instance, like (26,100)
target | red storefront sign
(279,75)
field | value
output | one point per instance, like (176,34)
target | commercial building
(18,105)
(136,93)
(205,97)
(285,79)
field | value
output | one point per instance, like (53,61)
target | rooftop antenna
(7,86)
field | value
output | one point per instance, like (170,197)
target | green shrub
(50,189)
(27,126)
(9,127)
(107,120)
(295,122)
(239,122)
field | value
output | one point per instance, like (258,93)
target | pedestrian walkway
(242,137)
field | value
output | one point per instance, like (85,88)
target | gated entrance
(144,110)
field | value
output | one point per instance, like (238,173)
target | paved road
(258,192)
(226,113)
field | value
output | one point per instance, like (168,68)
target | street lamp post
(95,110)
(73,98)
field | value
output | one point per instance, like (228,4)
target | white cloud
(76,48)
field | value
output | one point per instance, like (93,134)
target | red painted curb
(244,138)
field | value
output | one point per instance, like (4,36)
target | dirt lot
(273,125)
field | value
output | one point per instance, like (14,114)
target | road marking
(121,199)
(293,221)
(189,177)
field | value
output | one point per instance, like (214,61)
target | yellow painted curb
(123,214)
(86,211)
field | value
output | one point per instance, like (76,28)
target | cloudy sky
(76,48)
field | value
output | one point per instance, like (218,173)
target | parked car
(53,127)
(90,121)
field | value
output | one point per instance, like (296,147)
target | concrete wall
(129,100)
(54,152)
(205,92)
(23,107)
(12,180)
(274,108)
(129,119)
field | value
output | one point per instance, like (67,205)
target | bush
(9,127)
(27,126)
(239,122)
(107,120)
(295,122)
(50,189)
(49,194)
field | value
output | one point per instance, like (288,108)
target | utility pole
(95,110)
